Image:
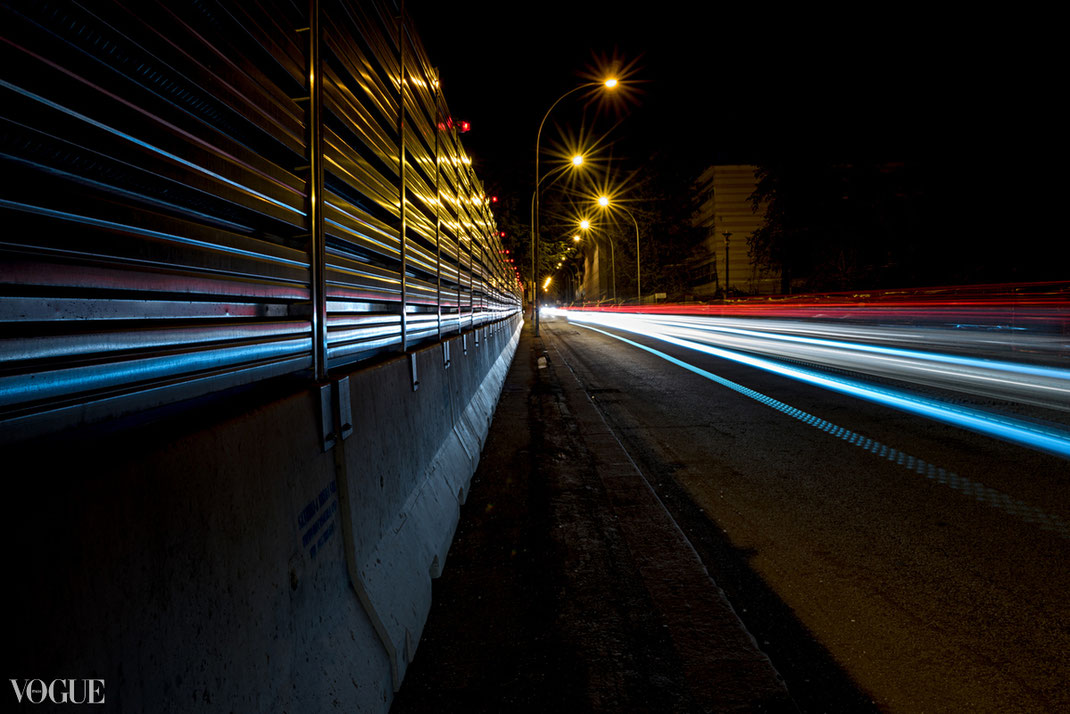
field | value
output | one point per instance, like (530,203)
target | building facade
(725,212)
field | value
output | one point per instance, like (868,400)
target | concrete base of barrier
(204,560)
(394,563)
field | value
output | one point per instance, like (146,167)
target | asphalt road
(867,550)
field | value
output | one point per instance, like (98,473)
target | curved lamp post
(608,84)
(571,277)
(575,163)
(586,225)
(603,201)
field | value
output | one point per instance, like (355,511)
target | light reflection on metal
(169,156)
(157,233)
(316,230)
(403,202)
(437,203)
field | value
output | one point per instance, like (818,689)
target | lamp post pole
(613,265)
(638,278)
(603,201)
(577,161)
(726,237)
(610,84)
(586,226)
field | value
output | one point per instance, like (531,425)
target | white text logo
(60,691)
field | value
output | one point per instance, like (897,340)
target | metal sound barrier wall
(250,344)
(199,195)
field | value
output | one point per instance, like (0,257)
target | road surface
(919,562)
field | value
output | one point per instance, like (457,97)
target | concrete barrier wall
(218,559)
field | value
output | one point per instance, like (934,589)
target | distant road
(924,562)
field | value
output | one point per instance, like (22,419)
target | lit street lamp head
(585,224)
(603,201)
(577,160)
(610,83)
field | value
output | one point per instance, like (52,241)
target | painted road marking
(966,486)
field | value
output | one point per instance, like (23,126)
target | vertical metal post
(471,285)
(401,178)
(638,275)
(438,207)
(316,225)
(534,196)
(476,272)
(460,279)
(613,260)
(535,242)
(726,237)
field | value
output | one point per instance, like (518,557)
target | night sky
(972,94)
(740,82)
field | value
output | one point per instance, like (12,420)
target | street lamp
(586,225)
(576,162)
(609,83)
(603,201)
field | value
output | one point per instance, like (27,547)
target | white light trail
(1038,385)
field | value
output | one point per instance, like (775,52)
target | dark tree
(661,200)
(946,219)
(509,215)
(839,226)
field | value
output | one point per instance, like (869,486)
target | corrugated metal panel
(157,240)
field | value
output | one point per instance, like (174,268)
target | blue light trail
(1048,386)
